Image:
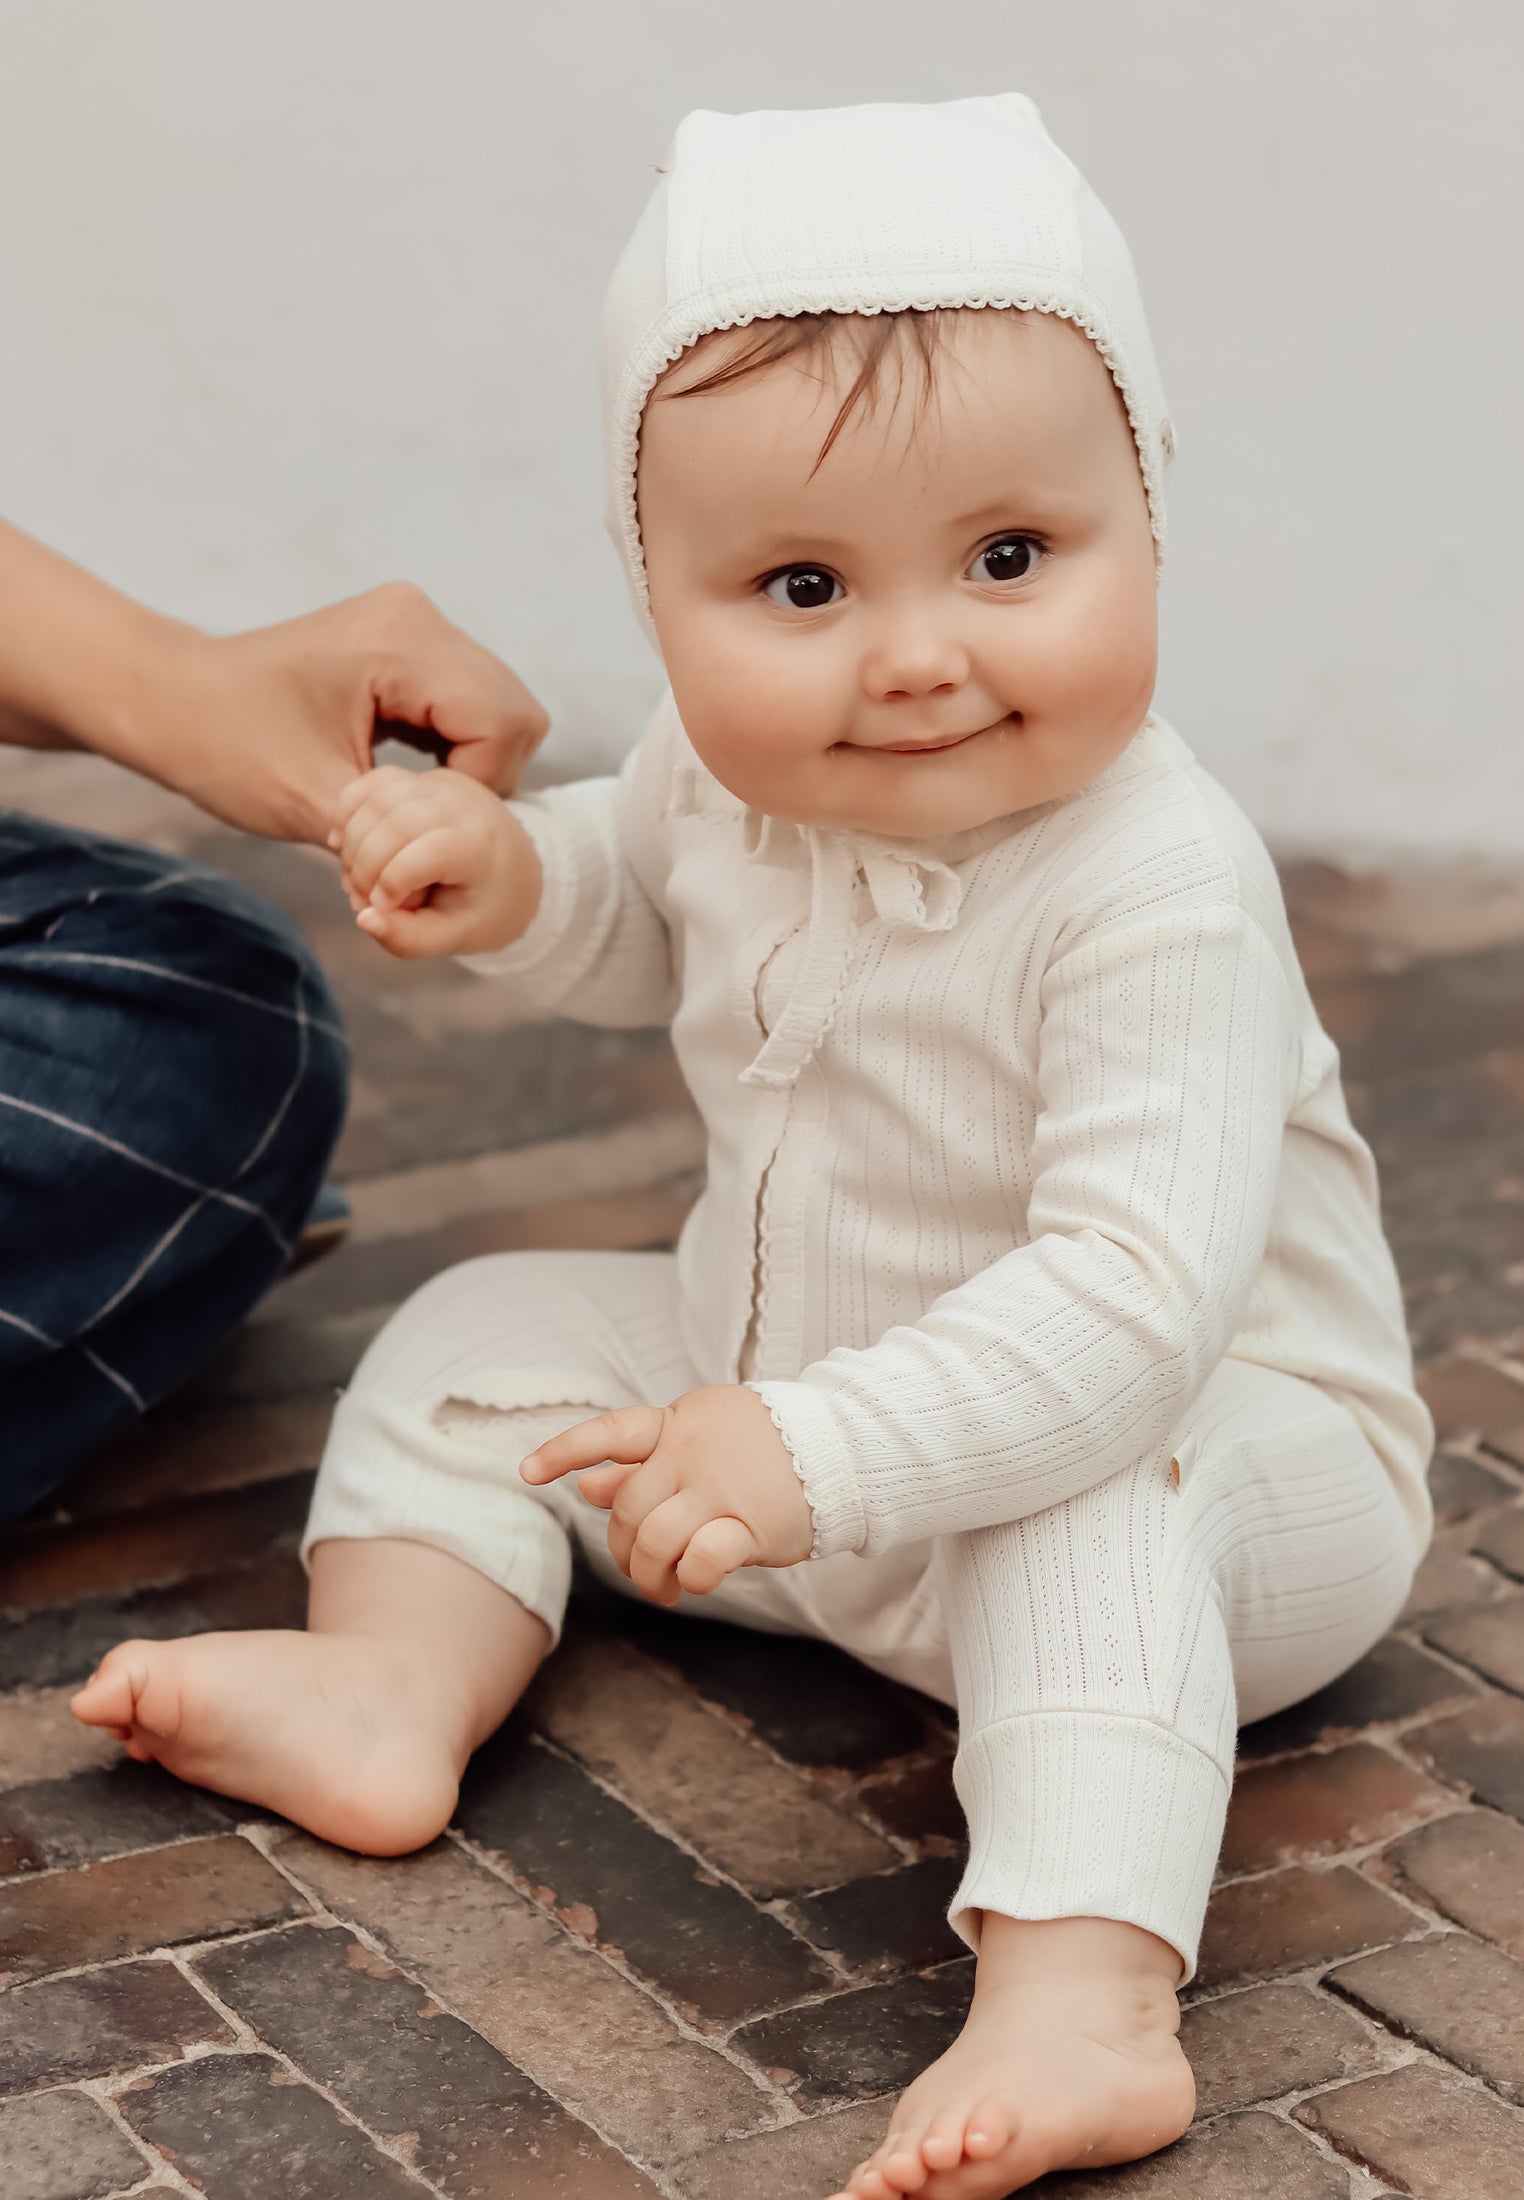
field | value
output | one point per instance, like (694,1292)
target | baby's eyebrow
(801,543)
(782,543)
(1023,508)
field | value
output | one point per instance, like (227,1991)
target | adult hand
(266,729)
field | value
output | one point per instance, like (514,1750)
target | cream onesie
(1033,1212)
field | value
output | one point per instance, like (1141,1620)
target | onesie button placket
(854,883)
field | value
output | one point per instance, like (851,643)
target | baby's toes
(109,1696)
(990,2128)
(942,2143)
(864,2183)
(137,1687)
(872,2184)
(901,2164)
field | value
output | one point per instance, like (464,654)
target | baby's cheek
(757,750)
(1089,700)
(746,697)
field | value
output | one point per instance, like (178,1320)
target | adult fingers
(497,759)
(429,675)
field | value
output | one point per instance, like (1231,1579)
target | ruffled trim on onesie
(558,876)
(825,1471)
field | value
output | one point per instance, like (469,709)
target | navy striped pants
(173,1076)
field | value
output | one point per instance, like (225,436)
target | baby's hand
(433,863)
(696,1489)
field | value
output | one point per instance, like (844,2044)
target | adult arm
(1168,1062)
(263,729)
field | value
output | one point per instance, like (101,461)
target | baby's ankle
(1075,1951)
(423,1683)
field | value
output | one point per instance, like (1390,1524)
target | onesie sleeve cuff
(557,852)
(823,1463)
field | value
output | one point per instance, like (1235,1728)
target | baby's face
(951,619)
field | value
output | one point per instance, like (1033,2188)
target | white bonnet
(870,209)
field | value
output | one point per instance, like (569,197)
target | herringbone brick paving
(687,1934)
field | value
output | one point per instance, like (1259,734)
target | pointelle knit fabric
(1033,1208)
(1012,1136)
(1035,1214)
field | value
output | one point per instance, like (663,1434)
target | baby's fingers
(719,1548)
(601,1485)
(372,842)
(411,934)
(376,791)
(660,1541)
(344,809)
(432,860)
(626,1436)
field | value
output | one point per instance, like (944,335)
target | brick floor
(687,1934)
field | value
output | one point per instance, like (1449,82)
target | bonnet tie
(909,891)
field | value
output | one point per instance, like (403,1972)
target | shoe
(324,1231)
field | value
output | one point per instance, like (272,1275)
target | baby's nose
(914,662)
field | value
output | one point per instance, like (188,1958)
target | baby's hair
(807,335)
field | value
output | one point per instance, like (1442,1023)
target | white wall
(298,295)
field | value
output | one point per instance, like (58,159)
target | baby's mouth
(938,743)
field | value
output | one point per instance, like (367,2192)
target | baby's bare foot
(333,1731)
(1051,2071)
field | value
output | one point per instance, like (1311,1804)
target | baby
(1034,1338)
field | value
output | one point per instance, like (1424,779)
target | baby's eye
(1014,559)
(803,588)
